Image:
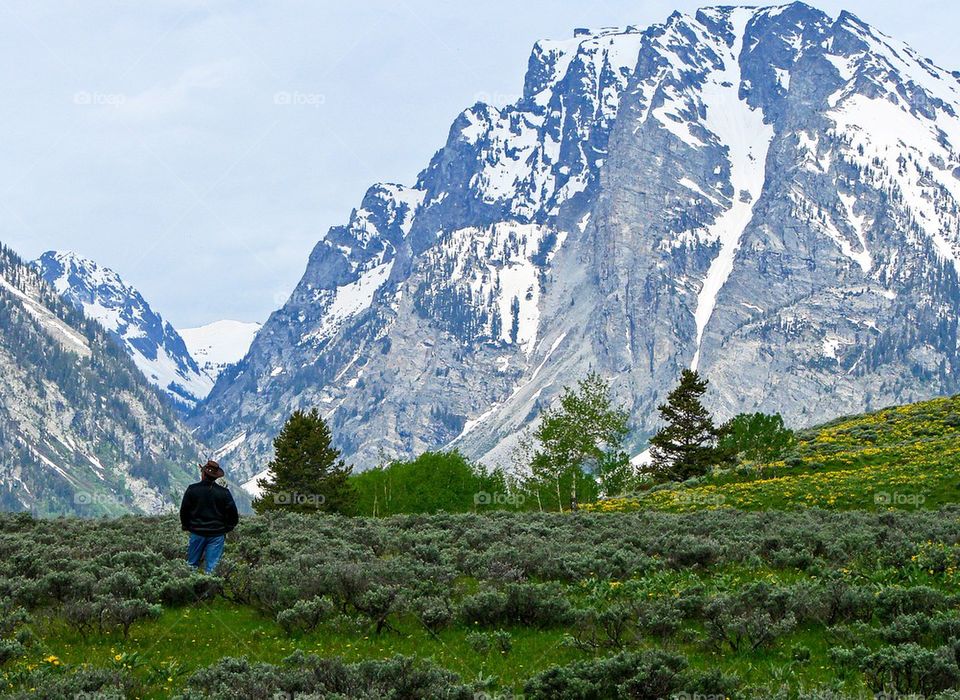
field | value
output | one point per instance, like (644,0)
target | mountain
(770,195)
(157,349)
(81,430)
(219,344)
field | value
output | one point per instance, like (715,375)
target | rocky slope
(81,431)
(155,346)
(770,195)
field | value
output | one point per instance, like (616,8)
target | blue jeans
(201,545)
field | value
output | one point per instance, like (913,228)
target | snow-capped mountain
(81,431)
(217,345)
(155,346)
(771,195)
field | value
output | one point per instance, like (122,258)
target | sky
(201,148)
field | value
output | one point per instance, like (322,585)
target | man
(208,513)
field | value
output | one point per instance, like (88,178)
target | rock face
(81,431)
(769,195)
(155,346)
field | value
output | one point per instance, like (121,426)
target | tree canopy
(686,445)
(755,437)
(306,473)
(584,432)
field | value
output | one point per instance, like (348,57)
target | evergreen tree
(686,446)
(306,473)
(584,433)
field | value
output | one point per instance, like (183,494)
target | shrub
(841,602)
(532,604)
(486,608)
(897,600)
(305,615)
(124,613)
(750,618)
(10,650)
(98,684)
(378,604)
(434,612)
(14,621)
(485,642)
(399,678)
(909,668)
(651,675)
(103,614)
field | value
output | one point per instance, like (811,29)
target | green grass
(162,653)
(900,457)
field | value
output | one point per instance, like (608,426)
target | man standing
(208,513)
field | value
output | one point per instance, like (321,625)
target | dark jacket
(208,509)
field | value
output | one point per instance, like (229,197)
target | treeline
(575,454)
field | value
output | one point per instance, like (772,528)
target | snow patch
(219,344)
(747,138)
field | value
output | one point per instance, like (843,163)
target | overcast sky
(202,148)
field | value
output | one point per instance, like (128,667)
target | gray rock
(746,191)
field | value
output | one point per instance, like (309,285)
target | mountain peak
(759,192)
(155,346)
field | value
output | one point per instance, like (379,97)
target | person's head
(211,471)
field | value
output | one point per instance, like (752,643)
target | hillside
(899,457)
(770,195)
(81,430)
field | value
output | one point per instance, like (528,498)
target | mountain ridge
(81,430)
(154,344)
(716,191)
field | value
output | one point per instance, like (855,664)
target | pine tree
(686,446)
(306,473)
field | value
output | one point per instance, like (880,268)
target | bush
(434,612)
(750,618)
(530,604)
(893,601)
(98,684)
(399,678)
(484,642)
(10,650)
(651,675)
(15,635)
(305,615)
(909,668)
